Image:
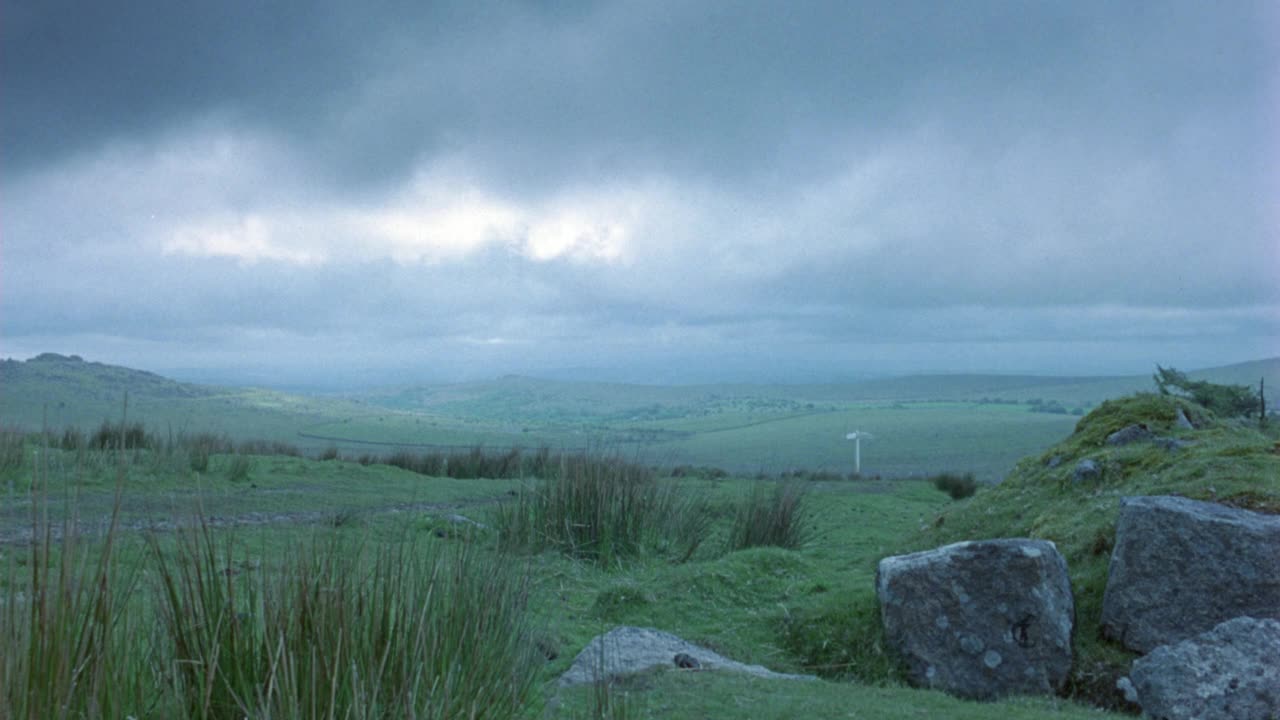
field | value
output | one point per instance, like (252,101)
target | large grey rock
(1181,566)
(980,619)
(626,650)
(1229,673)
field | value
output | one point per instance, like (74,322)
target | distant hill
(980,422)
(71,389)
(518,396)
(59,390)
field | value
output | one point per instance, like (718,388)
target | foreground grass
(304,620)
(698,695)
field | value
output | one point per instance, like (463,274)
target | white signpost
(856,436)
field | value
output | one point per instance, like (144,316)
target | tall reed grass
(329,629)
(604,510)
(777,516)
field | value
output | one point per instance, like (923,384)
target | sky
(333,192)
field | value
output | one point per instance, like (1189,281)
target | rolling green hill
(922,424)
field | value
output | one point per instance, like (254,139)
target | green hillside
(1227,461)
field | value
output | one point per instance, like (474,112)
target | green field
(273,520)
(923,424)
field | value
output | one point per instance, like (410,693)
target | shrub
(777,517)
(330,453)
(239,469)
(112,436)
(1224,400)
(956,485)
(13,443)
(604,510)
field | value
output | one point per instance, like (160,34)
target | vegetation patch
(771,516)
(1045,498)
(956,485)
(604,510)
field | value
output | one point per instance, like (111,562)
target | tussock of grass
(775,516)
(330,629)
(338,631)
(604,510)
(69,642)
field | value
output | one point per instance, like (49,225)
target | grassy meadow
(375,570)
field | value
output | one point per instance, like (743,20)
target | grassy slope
(1227,461)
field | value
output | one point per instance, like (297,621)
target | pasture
(245,511)
(289,517)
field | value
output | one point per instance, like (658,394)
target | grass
(332,628)
(360,534)
(402,630)
(776,517)
(603,510)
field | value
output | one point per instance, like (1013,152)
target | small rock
(1183,422)
(1131,434)
(464,520)
(626,650)
(1053,462)
(686,661)
(1086,470)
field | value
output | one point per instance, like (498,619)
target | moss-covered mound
(1217,460)
(1226,461)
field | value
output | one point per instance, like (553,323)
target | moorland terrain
(211,567)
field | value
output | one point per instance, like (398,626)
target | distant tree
(1225,400)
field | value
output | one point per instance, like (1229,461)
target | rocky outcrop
(1180,567)
(1229,673)
(980,619)
(628,650)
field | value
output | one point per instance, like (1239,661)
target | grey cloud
(730,91)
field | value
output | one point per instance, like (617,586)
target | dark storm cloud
(725,89)
(541,180)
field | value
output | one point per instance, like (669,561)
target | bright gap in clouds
(438,218)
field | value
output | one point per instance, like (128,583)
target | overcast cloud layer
(669,190)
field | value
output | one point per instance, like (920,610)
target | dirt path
(98,524)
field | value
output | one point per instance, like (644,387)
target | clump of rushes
(604,510)
(776,516)
(339,630)
(70,645)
